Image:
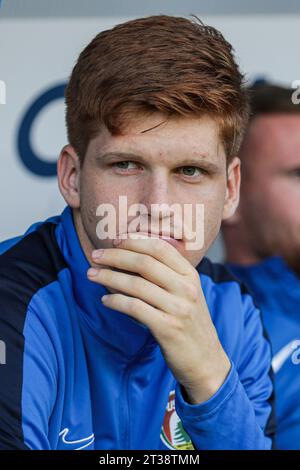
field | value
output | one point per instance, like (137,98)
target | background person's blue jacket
(79,375)
(276,290)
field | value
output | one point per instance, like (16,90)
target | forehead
(273,139)
(166,140)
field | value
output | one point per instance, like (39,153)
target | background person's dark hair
(270,98)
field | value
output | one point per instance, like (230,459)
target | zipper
(125,411)
(124,406)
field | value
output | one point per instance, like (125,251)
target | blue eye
(189,170)
(124,165)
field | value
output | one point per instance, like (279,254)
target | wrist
(207,386)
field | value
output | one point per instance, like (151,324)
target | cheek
(93,193)
(213,202)
(210,197)
(209,231)
(96,190)
(283,197)
(285,205)
(276,204)
(212,223)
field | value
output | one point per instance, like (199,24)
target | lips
(143,235)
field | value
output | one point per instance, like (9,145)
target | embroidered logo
(77,444)
(173,434)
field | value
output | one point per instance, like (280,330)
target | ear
(230,212)
(68,173)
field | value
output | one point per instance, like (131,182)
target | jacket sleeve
(240,414)
(30,359)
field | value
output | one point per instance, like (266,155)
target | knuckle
(137,283)
(134,305)
(176,325)
(187,312)
(144,263)
(177,306)
(192,291)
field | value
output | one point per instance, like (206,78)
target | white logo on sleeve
(79,443)
(292,349)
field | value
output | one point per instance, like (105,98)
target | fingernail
(92,272)
(97,253)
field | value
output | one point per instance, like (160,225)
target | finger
(138,287)
(136,308)
(159,249)
(145,265)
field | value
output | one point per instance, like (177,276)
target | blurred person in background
(262,239)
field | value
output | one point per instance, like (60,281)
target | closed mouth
(144,235)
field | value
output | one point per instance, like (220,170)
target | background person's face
(270,189)
(163,173)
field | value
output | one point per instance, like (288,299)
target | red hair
(161,63)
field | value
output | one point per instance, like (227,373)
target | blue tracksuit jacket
(276,290)
(78,375)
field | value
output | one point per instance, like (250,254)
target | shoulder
(220,276)
(27,264)
(232,308)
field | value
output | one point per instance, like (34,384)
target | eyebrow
(200,161)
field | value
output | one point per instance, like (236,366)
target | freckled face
(180,161)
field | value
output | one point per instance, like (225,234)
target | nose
(157,198)
(157,192)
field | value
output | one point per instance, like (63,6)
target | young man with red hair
(174,356)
